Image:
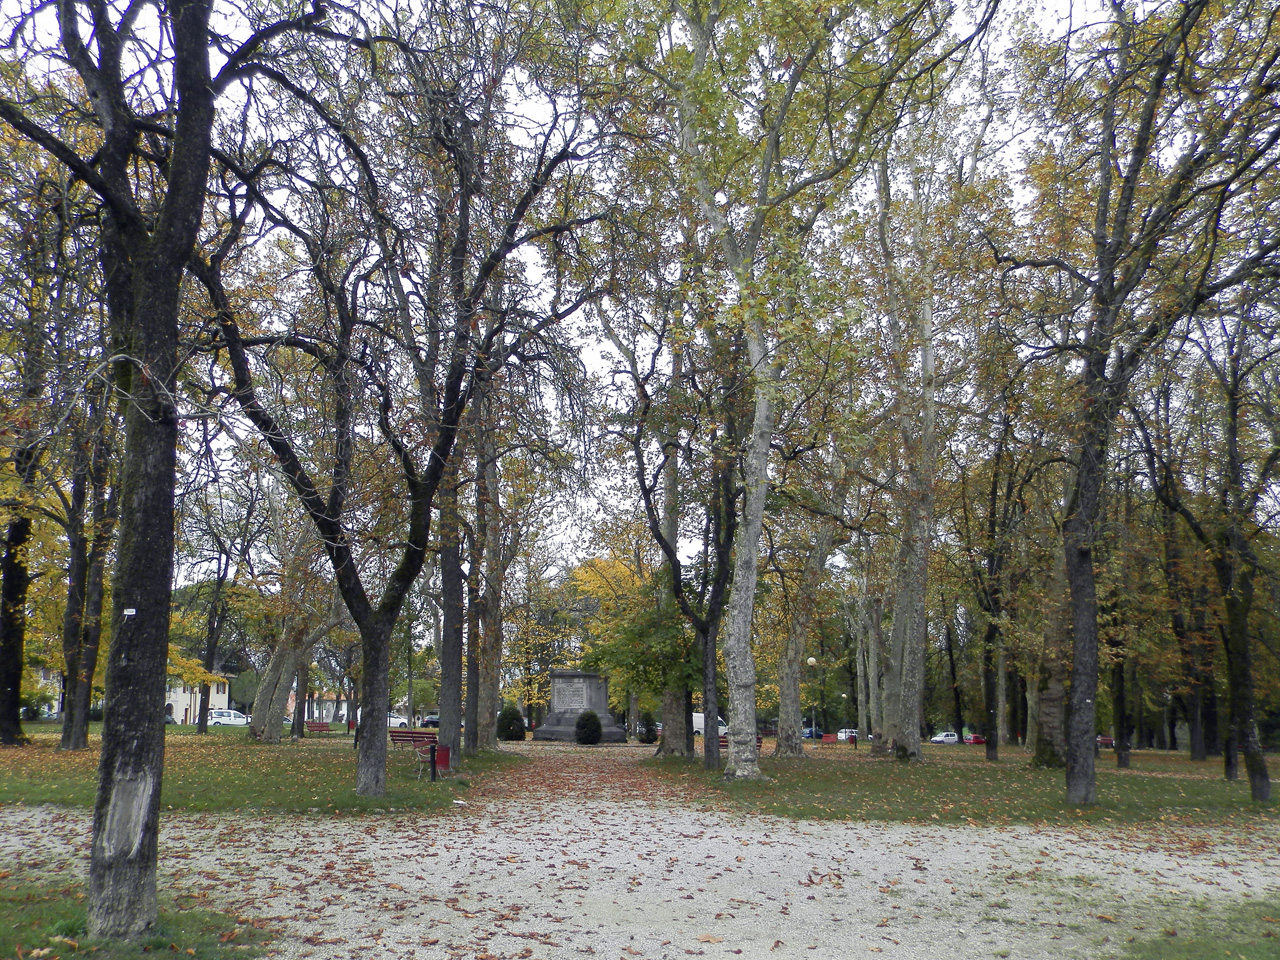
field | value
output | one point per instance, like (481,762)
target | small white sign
(129,611)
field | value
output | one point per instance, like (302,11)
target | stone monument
(573,693)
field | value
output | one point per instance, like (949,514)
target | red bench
(411,738)
(724,742)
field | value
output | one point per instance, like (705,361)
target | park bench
(411,738)
(318,726)
(830,738)
(724,742)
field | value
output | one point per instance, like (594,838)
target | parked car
(395,720)
(947,736)
(227,718)
(431,720)
(974,738)
(849,733)
(811,733)
(700,725)
(1105,741)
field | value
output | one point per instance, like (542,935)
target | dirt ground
(586,854)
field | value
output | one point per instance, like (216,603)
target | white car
(700,725)
(849,733)
(948,736)
(395,720)
(227,718)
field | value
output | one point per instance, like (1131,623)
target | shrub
(510,724)
(648,728)
(588,730)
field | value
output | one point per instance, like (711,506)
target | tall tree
(421,302)
(1171,111)
(771,108)
(151,100)
(1222,504)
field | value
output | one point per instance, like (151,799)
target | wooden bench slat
(724,742)
(412,738)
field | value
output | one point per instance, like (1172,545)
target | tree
(151,100)
(1221,503)
(54,422)
(1171,111)
(421,306)
(771,109)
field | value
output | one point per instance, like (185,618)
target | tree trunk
(744,761)
(77,591)
(1120,710)
(908,637)
(674,740)
(90,634)
(991,708)
(302,682)
(213,633)
(122,866)
(14,580)
(1002,695)
(790,720)
(375,696)
(790,715)
(957,715)
(490,698)
(470,732)
(1244,731)
(677,733)
(1078,528)
(272,676)
(706,643)
(1033,714)
(452,600)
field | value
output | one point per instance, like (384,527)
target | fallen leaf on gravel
(708,938)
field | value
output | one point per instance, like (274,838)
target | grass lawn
(1250,931)
(46,921)
(956,784)
(222,771)
(225,771)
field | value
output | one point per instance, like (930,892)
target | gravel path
(600,859)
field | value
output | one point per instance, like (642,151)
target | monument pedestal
(572,694)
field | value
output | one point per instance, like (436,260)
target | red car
(974,738)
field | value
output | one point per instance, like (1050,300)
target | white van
(700,725)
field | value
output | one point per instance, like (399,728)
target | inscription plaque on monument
(573,692)
(572,696)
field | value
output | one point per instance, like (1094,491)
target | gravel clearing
(597,858)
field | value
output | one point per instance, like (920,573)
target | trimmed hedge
(648,728)
(510,724)
(588,730)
